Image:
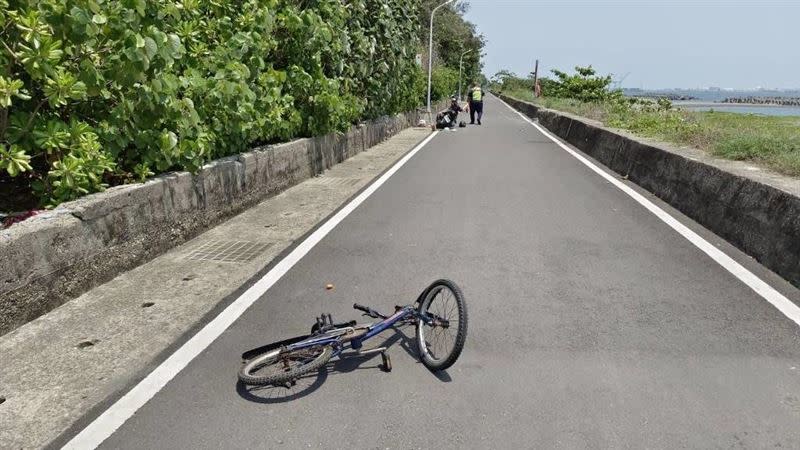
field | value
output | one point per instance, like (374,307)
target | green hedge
(444,83)
(102,92)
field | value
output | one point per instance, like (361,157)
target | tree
(452,35)
(506,80)
(584,85)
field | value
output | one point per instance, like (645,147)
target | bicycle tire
(443,361)
(247,376)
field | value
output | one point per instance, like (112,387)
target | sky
(651,43)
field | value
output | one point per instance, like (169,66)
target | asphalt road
(592,323)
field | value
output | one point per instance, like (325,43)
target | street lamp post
(430,54)
(460,62)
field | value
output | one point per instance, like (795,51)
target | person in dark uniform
(475,104)
(448,117)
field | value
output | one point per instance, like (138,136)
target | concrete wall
(58,255)
(756,211)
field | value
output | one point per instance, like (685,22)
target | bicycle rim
(440,345)
(277,366)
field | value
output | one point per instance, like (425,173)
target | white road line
(116,415)
(755,283)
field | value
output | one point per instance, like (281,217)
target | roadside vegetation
(94,94)
(452,36)
(773,142)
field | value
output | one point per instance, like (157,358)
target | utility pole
(430,55)
(460,63)
(535,78)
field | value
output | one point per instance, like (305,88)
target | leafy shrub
(584,85)
(505,80)
(100,92)
(444,83)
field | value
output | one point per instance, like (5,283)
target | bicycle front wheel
(440,342)
(279,367)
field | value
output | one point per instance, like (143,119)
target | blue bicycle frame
(333,339)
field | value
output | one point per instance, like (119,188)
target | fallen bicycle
(439,314)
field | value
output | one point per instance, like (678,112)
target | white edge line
(117,414)
(770,294)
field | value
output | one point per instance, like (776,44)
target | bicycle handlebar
(368,311)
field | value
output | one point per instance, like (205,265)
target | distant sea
(710,99)
(764,110)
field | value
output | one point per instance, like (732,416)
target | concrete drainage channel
(756,211)
(228,251)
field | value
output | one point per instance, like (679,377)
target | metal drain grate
(336,182)
(228,251)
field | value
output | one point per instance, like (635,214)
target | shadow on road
(345,363)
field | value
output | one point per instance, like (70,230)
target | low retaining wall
(58,255)
(757,212)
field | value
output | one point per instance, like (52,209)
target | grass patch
(769,141)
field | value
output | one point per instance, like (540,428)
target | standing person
(475,104)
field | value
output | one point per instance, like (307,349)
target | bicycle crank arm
(372,350)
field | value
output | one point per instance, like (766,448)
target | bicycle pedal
(387,362)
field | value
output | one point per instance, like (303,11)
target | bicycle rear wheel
(441,342)
(279,367)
